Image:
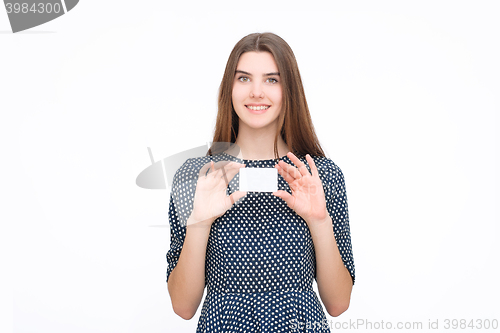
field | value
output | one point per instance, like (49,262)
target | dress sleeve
(180,207)
(336,205)
(177,235)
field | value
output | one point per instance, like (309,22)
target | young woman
(258,252)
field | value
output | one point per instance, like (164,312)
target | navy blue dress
(260,261)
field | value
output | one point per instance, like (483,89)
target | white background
(404,97)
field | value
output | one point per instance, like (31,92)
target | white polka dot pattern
(260,261)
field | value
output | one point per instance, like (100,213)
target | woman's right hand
(210,199)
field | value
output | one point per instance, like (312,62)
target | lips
(258,108)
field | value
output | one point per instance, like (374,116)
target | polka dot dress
(260,261)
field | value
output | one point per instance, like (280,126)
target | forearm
(334,280)
(187,280)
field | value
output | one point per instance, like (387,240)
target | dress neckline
(256,161)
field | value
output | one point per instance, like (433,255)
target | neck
(258,144)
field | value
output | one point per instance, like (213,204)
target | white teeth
(258,108)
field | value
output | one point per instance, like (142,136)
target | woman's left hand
(307,198)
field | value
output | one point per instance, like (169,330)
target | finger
(222,164)
(289,179)
(300,165)
(292,171)
(233,165)
(204,169)
(312,165)
(227,166)
(216,174)
(225,163)
(224,175)
(236,196)
(231,171)
(287,197)
(212,168)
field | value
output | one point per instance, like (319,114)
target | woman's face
(257,90)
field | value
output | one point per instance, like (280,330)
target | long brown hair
(294,122)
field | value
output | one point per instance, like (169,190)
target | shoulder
(195,162)
(330,174)
(189,169)
(327,168)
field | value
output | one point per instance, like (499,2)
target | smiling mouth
(258,108)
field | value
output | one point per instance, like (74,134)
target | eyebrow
(267,74)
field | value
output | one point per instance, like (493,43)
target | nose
(256,91)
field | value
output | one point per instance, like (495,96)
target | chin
(258,125)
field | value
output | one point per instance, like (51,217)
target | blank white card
(258,179)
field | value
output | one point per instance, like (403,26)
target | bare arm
(187,280)
(334,280)
(308,200)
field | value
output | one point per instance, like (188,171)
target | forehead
(257,63)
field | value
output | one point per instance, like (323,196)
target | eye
(272,80)
(243,79)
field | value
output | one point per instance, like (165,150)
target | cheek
(237,94)
(276,96)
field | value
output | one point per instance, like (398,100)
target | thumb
(236,196)
(287,197)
